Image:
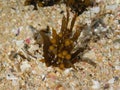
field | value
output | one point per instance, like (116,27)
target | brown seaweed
(59,51)
(79,6)
(40,3)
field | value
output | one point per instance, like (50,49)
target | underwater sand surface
(16,29)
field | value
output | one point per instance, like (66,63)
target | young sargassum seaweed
(59,51)
(79,6)
(40,3)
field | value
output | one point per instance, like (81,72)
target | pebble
(25,66)
(10,76)
(19,43)
(111,7)
(117,67)
(95,9)
(96,84)
(117,46)
(111,81)
(106,86)
(67,71)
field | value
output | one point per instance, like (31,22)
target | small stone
(117,46)
(117,67)
(10,76)
(106,86)
(19,43)
(95,9)
(111,81)
(25,66)
(96,84)
(67,71)
(116,78)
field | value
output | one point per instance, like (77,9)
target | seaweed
(40,3)
(32,2)
(79,6)
(59,48)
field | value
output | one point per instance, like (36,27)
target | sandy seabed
(16,21)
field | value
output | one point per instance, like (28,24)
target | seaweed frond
(79,6)
(59,48)
(41,3)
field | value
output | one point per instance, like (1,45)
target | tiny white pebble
(117,46)
(34,72)
(96,84)
(67,71)
(117,67)
(10,76)
(25,66)
(111,7)
(95,9)
(111,81)
(19,43)
(96,30)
